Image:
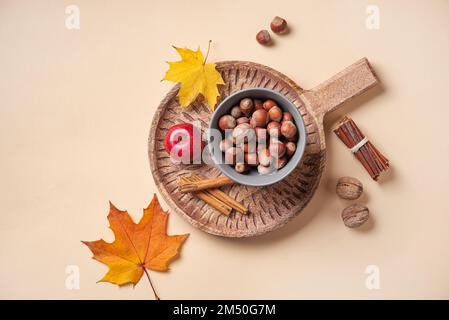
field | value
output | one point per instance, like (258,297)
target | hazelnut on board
(349,188)
(355,215)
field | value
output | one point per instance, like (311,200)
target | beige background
(75,111)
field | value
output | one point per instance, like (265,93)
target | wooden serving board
(273,206)
(269,207)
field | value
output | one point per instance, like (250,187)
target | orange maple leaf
(137,247)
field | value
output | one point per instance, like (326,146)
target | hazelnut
(243,126)
(290,148)
(349,188)
(288,129)
(268,104)
(258,104)
(261,146)
(293,139)
(251,159)
(236,112)
(277,149)
(275,114)
(226,122)
(274,129)
(355,215)
(280,162)
(249,147)
(242,120)
(287,116)
(241,167)
(234,155)
(246,106)
(264,157)
(264,170)
(263,37)
(261,134)
(230,155)
(278,25)
(243,133)
(225,144)
(259,118)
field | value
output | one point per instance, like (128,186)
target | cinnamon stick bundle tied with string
(373,161)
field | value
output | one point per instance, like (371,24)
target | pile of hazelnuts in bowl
(258,135)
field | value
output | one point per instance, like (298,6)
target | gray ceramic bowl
(253,178)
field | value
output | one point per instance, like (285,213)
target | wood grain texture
(269,207)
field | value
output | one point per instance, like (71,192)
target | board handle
(345,85)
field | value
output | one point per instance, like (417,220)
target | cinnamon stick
(194,186)
(372,160)
(211,200)
(220,195)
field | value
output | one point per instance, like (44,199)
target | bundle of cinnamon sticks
(364,150)
(207,190)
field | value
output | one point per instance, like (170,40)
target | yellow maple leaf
(196,76)
(137,247)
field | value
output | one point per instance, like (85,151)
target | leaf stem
(207,54)
(156,297)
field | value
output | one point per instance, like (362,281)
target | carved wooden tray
(269,207)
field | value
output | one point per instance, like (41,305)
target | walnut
(349,188)
(355,215)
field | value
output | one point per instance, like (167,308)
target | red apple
(183,143)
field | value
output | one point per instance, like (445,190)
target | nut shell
(268,104)
(264,170)
(277,149)
(355,215)
(259,118)
(225,144)
(280,162)
(288,129)
(349,188)
(251,159)
(263,37)
(274,129)
(290,148)
(242,120)
(226,122)
(275,114)
(258,104)
(241,167)
(287,116)
(246,106)
(264,157)
(278,25)
(236,112)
